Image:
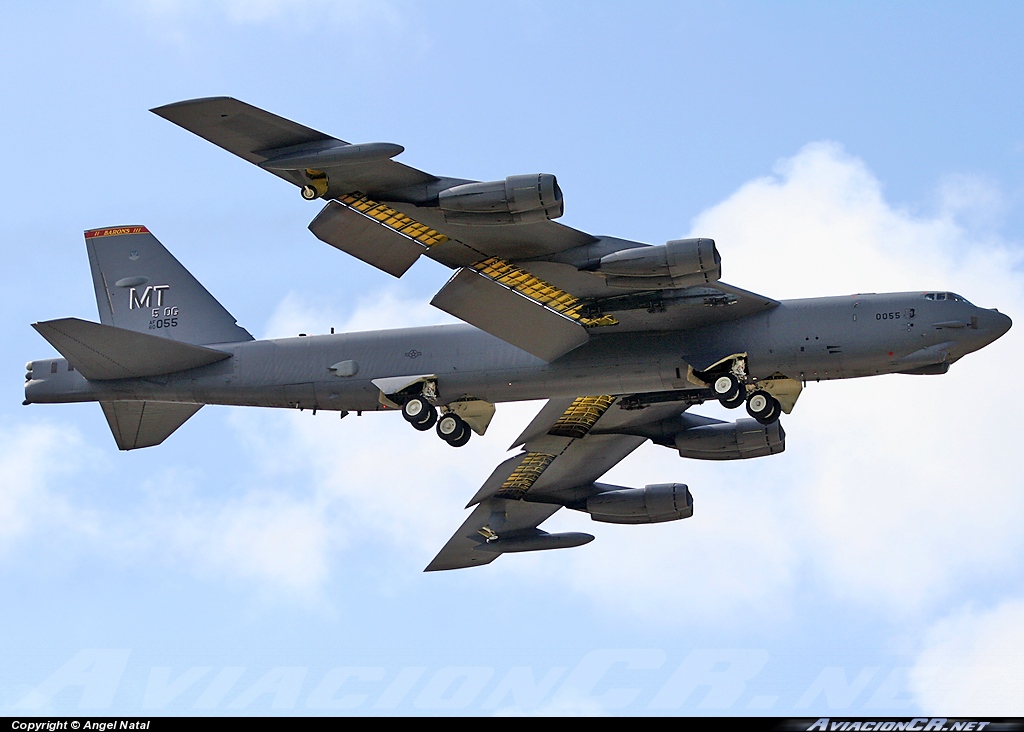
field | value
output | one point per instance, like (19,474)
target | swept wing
(534,283)
(568,446)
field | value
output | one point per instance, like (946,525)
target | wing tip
(440,566)
(188,103)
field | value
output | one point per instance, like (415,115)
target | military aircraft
(620,337)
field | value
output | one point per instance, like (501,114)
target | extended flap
(102,352)
(504,313)
(545,418)
(366,239)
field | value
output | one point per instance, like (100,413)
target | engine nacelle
(679,263)
(648,505)
(519,199)
(744,438)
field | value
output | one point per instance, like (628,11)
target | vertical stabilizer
(140,286)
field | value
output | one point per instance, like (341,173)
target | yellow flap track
(394,220)
(536,289)
(581,416)
(525,475)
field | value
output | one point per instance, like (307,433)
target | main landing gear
(729,390)
(761,405)
(453,429)
(422,415)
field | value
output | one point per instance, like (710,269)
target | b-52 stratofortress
(620,337)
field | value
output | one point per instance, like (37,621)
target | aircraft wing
(534,283)
(260,137)
(568,446)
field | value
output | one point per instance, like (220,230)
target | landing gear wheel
(759,403)
(428,420)
(741,396)
(414,409)
(726,387)
(763,407)
(452,429)
(310,193)
(420,413)
(773,415)
(466,433)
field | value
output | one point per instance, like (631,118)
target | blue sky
(270,562)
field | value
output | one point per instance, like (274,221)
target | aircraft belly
(509,386)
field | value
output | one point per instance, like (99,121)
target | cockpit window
(945,296)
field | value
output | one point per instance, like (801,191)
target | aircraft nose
(995,324)
(1003,323)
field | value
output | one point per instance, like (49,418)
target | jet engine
(648,505)
(678,263)
(519,199)
(744,438)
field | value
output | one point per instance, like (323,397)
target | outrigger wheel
(316,187)
(763,407)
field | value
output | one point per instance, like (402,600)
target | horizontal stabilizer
(144,424)
(504,313)
(102,352)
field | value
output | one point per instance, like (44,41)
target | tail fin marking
(140,286)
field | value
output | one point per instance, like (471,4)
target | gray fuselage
(808,340)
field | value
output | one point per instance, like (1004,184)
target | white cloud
(272,539)
(389,483)
(821,226)
(31,457)
(973,663)
(261,536)
(731,560)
